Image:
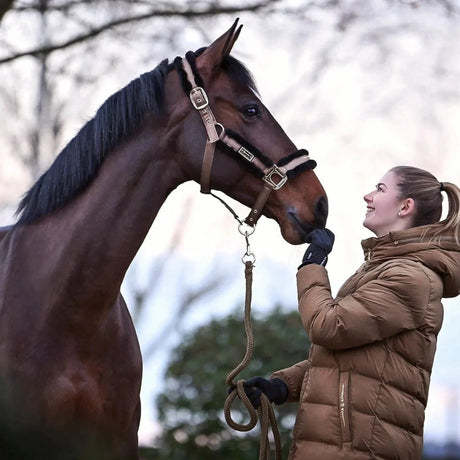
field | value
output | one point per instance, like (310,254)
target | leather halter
(274,176)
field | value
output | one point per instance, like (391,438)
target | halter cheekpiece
(274,176)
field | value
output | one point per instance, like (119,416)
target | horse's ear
(211,58)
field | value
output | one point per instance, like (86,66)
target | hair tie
(441,186)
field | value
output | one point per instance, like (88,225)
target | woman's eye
(252,111)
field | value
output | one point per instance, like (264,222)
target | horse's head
(254,139)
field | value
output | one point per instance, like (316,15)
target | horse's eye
(252,111)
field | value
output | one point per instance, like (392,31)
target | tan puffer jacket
(364,388)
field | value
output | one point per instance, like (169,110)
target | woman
(364,388)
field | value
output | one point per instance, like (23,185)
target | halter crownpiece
(273,175)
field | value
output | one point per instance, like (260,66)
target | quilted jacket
(362,391)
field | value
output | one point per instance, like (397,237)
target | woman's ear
(407,207)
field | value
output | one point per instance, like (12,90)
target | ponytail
(426,191)
(451,224)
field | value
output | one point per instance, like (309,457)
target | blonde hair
(426,191)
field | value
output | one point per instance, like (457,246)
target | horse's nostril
(321,211)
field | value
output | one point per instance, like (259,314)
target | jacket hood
(440,254)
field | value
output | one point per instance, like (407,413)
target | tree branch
(94,32)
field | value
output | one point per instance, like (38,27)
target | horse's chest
(75,375)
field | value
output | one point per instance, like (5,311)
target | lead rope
(265,411)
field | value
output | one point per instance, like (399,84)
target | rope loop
(239,391)
(264,412)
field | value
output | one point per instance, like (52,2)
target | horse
(70,362)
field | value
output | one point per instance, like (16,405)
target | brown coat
(364,388)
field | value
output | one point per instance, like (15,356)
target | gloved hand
(321,241)
(275,390)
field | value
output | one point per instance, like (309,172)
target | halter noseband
(273,175)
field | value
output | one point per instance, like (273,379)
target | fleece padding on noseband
(310,164)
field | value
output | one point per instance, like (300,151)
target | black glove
(275,390)
(321,241)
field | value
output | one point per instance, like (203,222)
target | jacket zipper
(344,407)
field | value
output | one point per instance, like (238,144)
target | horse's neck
(99,233)
(4,231)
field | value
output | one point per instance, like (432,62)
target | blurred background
(364,85)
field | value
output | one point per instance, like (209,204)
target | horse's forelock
(237,71)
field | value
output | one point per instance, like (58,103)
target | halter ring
(246,233)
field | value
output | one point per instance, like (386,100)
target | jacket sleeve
(393,302)
(293,377)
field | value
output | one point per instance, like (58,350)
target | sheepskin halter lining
(274,176)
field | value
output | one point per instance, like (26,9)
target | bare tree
(123,14)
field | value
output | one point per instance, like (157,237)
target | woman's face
(385,210)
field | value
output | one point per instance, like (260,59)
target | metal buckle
(274,170)
(200,102)
(245,153)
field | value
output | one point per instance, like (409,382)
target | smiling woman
(386,210)
(364,387)
(406,198)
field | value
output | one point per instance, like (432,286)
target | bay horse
(70,363)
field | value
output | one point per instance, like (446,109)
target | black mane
(117,119)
